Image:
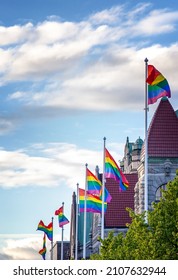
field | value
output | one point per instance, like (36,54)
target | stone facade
(131,159)
(160,172)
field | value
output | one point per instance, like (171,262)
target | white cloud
(47,52)
(21,247)
(108,84)
(156,22)
(94,64)
(138,10)
(62,162)
(52,46)
(110,16)
(25,246)
(15,34)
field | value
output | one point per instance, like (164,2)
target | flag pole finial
(146,60)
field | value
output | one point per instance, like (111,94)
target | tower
(162,155)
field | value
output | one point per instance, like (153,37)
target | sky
(71,73)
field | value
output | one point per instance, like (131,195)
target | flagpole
(62,237)
(52,240)
(103,191)
(44,244)
(146,139)
(85,206)
(76,226)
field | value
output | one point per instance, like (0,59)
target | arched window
(159,192)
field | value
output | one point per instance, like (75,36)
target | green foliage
(137,239)
(157,239)
(111,248)
(163,221)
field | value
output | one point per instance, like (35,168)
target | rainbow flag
(47,229)
(42,252)
(112,170)
(61,218)
(95,187)
(93,203)
(157,85)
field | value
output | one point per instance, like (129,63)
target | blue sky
(71,72)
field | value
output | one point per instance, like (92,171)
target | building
(73,226)
(57,250)
(89,226)
(162,165)
(131,159)
(162,154)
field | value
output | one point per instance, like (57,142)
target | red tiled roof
(163,132)
(116,214)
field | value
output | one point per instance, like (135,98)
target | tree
(157,239)
(163,221)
